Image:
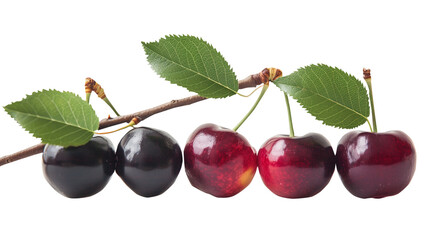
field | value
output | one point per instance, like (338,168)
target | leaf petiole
(242,95)
(370,126)
(133,122)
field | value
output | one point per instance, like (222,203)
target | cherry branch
(250,81)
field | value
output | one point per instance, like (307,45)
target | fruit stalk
(265,87)
(368,79)
(92,85)
(250,81)
(290,121)
(111,106)
(89,84)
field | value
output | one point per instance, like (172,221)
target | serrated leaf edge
(8,109)
(145,45)
(304,89)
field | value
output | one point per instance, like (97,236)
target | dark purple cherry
(372,164)
(148,161)
(83,171)
(376,165)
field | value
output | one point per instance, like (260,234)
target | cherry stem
(111,106)
(88,96)
(92,86)
(369,84)
(368,79)
(265,87)
(290,121)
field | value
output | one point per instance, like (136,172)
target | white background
(48,44)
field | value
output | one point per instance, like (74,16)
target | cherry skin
(296,167)
(82,171)
(219,161)
(148,161)
(376,165)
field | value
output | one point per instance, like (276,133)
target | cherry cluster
(221,162)
(148,161)
(217,160)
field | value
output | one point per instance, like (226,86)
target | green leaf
(192,63)
(330,94)
(58,118)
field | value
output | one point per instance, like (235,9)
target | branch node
(366,73)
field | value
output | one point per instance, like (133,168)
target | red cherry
(219,161)
(296,167)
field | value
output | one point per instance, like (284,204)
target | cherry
(372,164)
(219,161)
(296,167)
(376,165)
(148,161)
(83,171)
